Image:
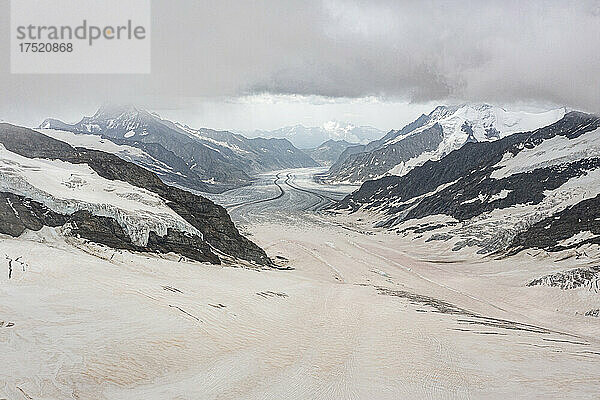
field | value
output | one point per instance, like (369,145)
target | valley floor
(362,314)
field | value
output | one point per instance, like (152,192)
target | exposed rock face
(189,246)
(328,152)
(201,159)
(346,154)
(18,213)
(554,233)
(571,279)
(210,219)
(467,185)
(381,160)
(525,188)
(593,313)
(107,231)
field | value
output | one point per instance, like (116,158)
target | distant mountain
(328,152)
(99,197)
(311,137)
(431,137)
(537,189)
(201,159)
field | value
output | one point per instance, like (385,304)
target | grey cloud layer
(503,51)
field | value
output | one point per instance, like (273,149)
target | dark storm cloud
(495,51)
(481,50)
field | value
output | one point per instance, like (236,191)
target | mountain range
(534,189)
(199,159)
(432,136)
(470,176)
(311,137)
(99,197)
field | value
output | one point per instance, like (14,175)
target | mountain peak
(337,125)
(443,111)
(115,110)
(311,137)
(431,137)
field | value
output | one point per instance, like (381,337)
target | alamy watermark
(80,36)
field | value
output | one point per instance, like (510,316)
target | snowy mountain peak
(311,137)
(336,126)
(468,123)
(435,135)
(442,112)
(534,190)
(115,111)
(486,122)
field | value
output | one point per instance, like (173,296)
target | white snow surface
(553,151)
(483,117)
(500,195)
(337,130)
(66,188)
(91,323)
(95,142)
(577,238)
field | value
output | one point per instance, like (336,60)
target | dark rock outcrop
(595,312)
(523,188)
(551,231)
(571,279)
(107,231)
(18,213)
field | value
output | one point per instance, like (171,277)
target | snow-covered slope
(126,152)
(433,136)
(100,197)
(536,189)
(66,188)
(310,137)
(474,123)
(485,122)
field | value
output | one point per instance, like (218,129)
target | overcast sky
(263,64)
